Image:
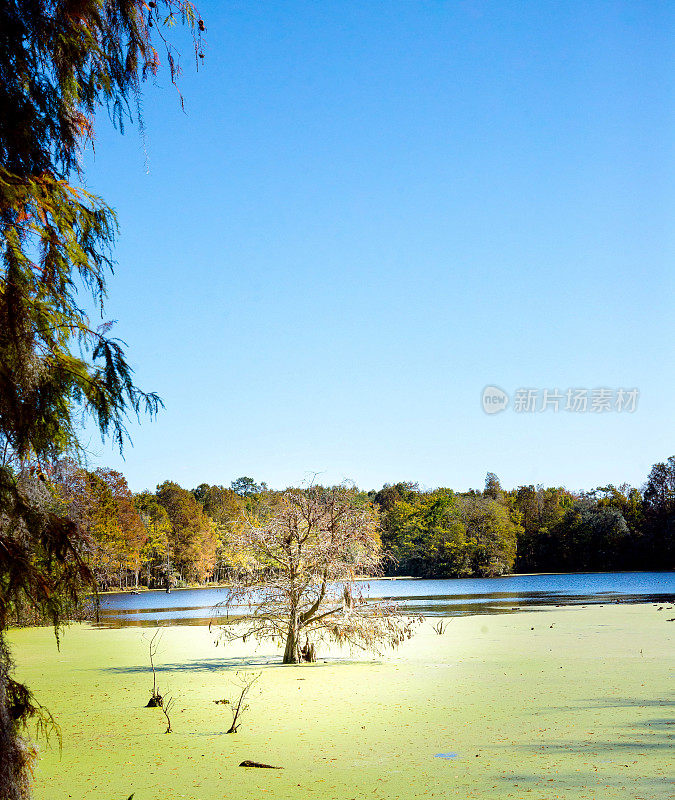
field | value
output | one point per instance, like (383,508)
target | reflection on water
(449,597)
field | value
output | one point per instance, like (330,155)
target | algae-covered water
(568,703)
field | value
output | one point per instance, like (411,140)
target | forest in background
(175,537)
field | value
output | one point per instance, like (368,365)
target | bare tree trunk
(308,652)
(291,653)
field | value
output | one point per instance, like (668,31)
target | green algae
(568,703)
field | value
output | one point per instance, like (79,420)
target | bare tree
(155,698)
(166,705)
(306,548)
(239,706)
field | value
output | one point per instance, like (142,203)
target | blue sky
(372,210)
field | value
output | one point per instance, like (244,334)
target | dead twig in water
(155,698)
(166,706)
(245,681)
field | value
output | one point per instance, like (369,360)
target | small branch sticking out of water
(239,707)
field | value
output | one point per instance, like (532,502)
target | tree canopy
(307,546)
(60,63)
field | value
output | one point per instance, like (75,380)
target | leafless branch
(166,707)
(239,706)
(153,645)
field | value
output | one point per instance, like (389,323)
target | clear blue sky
(370,211)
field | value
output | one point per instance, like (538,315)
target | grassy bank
(570,702)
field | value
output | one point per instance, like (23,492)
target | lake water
(447,597)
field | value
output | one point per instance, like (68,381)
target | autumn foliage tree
(193,538)
(307,547)
(115,527)
(225,508)
(156,552)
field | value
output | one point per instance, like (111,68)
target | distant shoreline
(192,586)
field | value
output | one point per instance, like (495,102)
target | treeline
(492,532)
(176,536)
(166,538)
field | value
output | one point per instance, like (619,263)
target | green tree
(193,539)
(443,536)
(659,509)
(493,488)
(390,494)
(589,537)
(402,538)
(491,536)
(627,499)
(538,511)
(156,555)
(425,535)
(246,487)
(59,63)
(226,509)
(223,506)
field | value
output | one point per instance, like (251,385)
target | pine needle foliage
(61,62)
